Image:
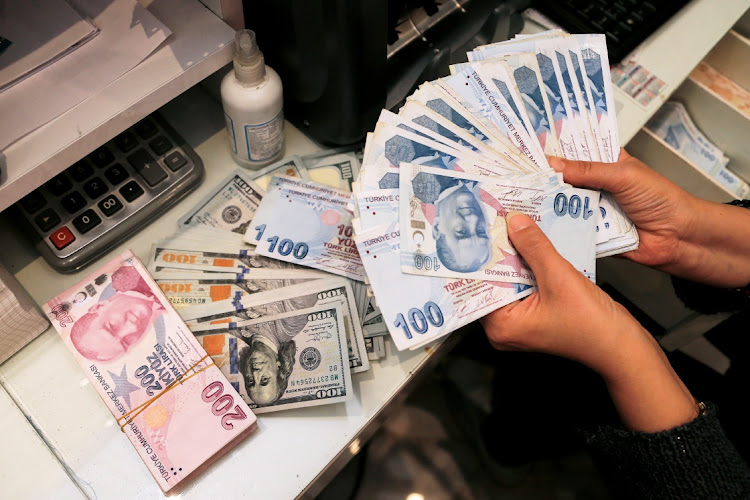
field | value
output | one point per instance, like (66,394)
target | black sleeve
(694,461)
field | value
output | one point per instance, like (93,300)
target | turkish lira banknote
(307,224)
(169,397)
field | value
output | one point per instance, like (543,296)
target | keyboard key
(59,184)
(62,238)
(47,219)
(95,188)
(126,141)
(86,221)
(73,202)
(160,145)
(110,205)
(146,128)
(102,157)
(131,191)
(116,174)
(33,201)
(80,171)
(145,165)
(174,161)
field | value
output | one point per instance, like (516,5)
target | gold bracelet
(701,407)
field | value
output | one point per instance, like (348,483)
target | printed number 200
(285,246)
(420,321)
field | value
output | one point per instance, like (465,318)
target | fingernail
(517,223)
(556,163)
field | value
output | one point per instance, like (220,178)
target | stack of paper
(20,320)
(39,33)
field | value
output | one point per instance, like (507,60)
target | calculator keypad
(111,185)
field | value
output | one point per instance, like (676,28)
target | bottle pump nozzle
(249,65)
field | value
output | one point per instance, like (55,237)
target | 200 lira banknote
(168,396)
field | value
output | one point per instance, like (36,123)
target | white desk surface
(78,450)
(280,460)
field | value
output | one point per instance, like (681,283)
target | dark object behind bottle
(338,68)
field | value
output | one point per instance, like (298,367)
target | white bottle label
(265,140)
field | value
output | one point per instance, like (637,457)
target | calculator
(110,194)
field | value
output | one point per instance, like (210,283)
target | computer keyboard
(103,198)
(626,23)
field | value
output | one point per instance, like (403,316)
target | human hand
(568,316)
(662,212)
(571,317)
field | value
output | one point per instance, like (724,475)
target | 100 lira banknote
(308,224)
(453,225)
(419,309)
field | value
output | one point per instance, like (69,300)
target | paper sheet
(40,33)
(129,34)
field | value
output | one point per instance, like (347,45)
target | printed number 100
(285,246)
(420,321)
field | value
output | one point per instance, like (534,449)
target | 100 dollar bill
(290,360)
(290,298)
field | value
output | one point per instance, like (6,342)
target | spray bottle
(253,106)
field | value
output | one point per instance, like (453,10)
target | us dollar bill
(333,169)
(230,206)
(290,360)
(332,290)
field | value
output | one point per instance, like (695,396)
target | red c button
(62,238)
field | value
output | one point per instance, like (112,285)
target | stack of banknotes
(293,277)
(168,396)
(438,178)
(285,320)
(672,123)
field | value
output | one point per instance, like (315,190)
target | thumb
(591,174)
(534,246)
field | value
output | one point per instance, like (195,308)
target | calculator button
(175,161)
(62,238)
(146,128)
(80,171)
(95,188)
(86,221)
(102,157)
(110,205)
(59,184)
(126,141)
(160,145)
(73,202)
(47,219)
(33,201)
(131,191)
(145,165)
(116,174)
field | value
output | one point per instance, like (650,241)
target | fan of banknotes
(291,277)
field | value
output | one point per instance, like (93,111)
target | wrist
(706,252)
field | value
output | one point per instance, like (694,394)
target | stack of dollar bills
(285,334)
(292,277)
(673,124)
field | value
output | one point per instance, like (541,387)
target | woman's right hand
(661,210)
